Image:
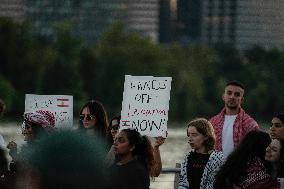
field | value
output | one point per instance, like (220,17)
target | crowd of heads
(68,159)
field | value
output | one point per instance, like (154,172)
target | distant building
(14,9)
(143,17)
(91,18)
(241,22)
(165,21)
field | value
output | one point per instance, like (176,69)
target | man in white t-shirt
(232,123)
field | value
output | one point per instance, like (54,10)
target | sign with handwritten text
(145,104)
(60,105)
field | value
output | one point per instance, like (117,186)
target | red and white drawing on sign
(125,123)
(62,102)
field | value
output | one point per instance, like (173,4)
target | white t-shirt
(227,135)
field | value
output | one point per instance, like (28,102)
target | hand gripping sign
(60,105)
(145,104)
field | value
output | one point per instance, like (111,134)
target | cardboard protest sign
(60,105)
(145,104)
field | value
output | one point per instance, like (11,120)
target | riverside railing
(174,171)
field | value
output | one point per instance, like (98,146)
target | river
(172,151)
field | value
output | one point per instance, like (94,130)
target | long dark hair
(143,150)
(110,138)
(97,109)
(253,145)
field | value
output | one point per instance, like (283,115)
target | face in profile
(273,151)
(114,128)
(121,144)
(27,131)
(233,96)
(88,120)
(196,139)
(276,130)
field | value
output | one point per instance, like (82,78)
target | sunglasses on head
(89,117)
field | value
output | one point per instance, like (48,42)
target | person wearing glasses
(114,127)
(94,119)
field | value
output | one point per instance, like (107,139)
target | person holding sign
(110,158)
(134,161)
(200,165)
(93,119)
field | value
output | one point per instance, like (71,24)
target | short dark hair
(235,83)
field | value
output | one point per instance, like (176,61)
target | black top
(195,168)
(129,176)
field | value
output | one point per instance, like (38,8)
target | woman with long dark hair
(134,161)
(275,155)
(93,119)
(246,167)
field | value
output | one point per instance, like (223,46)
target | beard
(232,105)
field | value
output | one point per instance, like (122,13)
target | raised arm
(157,156)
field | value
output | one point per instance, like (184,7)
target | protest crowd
(228,150)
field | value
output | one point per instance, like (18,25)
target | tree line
(63,64)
